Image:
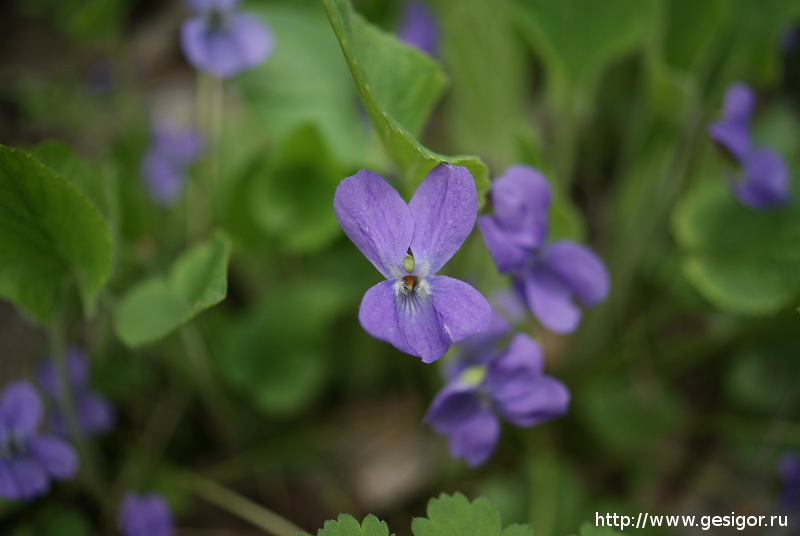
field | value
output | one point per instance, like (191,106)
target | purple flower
(94,413)
(171,151)
(788,468)
(145,515)
(418,312)
(29,460)
(512,386)
(219,41)
(762,179)
(548,277)
(418,28)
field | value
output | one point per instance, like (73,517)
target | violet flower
(512,386)
(171,151)
(762,180)
(29,460)
(417,311)
(94,413)
(549,277)
(145,515)
(219,41)
(788,468)
(418,28)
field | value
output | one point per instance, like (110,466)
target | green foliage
(398,86)
(55,520)
(51,235)
(157,306)
(291,196)
(277,355)
(588,529)
(741,260)
(346,525)
(454,515)
(578,39)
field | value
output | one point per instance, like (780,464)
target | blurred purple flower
(788,468)
(29,460)
(418,28)
(548,277)
(762,180)
(145,515)
(219,41)
(418,312)
(94,413)
(172,149)
(512,386)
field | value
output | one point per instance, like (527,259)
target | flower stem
(241,506)
(66,402)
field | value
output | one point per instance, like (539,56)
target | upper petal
(461,311)
(507,255)
(224,51)
(77,371)
(55,455)
(550,300)
(377,220)
(95,413)
(521,199)
(418,27)
(146,514)
(523,353)
(207,5)
(443,208)
(21,408)
(580,269)
(732,131)
(765,181)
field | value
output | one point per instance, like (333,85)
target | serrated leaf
(346,525)
(291,198)
(398,86)
(51,236)
(155,307)
(456,516)
(741,260)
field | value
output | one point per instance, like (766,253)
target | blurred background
(685,382)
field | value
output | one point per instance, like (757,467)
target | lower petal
(551,301)
(475,439)
(766,181)
(95,413)
(9,489)
(580,268)
(55,456)
(419,325)
(29,477)
(378,313)
(461,311)
(507,256)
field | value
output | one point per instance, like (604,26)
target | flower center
(12,447)
(473,375)
(216,19)
(409,283)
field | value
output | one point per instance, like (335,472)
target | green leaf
(398,86)
(305,81)
(741,260)
(51,236)
(346,525)
(278,355)
(291,198)
(155,307)
(578,39)
(456,516)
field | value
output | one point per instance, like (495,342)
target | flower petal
(164,178)
(146,514)
(207,5)
(732,131)
(443,209)
(461,311)
(550,300)
(9,489)
(765,182)
(527,400)
(55,455)
(418,28)
(377,220)
(28,477)
(521,199)
(472,430)
(95,413)
(21,408)
(378,313)
(580,269)
(77,371)
(523,354)
(225,51)
(507,256)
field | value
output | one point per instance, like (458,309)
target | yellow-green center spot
(473,375)
(408,263)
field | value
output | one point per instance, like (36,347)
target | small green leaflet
(448,515)
(155,307)
(52,237)
(398,86)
